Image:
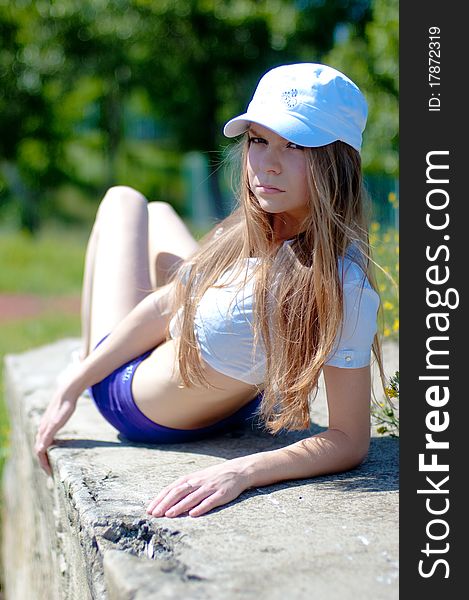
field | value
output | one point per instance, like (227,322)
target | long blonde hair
(298,295)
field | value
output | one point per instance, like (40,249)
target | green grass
(51,263)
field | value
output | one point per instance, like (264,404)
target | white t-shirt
(224,325)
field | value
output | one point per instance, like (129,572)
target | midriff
(159,393)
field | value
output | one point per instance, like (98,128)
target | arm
(143,328)
(343,446)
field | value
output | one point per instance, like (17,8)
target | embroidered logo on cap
(290,97)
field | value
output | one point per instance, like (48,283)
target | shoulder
(352,272)
(358,293)
(359,326)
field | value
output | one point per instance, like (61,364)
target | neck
(285,227)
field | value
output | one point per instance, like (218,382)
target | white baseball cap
(308,104)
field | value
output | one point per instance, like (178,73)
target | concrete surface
(85,534)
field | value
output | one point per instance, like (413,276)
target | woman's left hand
(57,414)
(199,492)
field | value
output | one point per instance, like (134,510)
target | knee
(121,197)
(160,210)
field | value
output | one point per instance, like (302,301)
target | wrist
(75,382)
(248,468)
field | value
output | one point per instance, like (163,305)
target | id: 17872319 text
(434,68)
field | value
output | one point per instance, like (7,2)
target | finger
(44,462)
(40,449)
(171,499)
(52,426)
(160,497)
(43,441)
(168,500)
(187,503)
(216,499)
(164,492)
(154,503)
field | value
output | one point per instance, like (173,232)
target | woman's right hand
(56,415)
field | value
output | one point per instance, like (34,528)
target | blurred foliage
(385,249)
(85,83)
(370,59)
(385,414)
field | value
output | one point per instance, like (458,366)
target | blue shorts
(114,400)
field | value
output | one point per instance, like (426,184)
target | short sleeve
(352,348)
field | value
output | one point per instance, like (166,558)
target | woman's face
(277,173)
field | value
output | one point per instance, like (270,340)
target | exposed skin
(277,176)
(342,447)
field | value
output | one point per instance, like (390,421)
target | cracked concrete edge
(76,532)
(132,578)
(109,568)
(78,535)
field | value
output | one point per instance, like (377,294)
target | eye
(257,140)
(295,146)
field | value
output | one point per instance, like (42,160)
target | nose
(271,161)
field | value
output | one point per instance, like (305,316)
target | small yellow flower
(392,197)
(388,305)
(395,325)
(397,249)
(375,226)
(387,332)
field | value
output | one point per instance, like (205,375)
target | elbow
(354,449)
(357,457)
(352,458)
(358,451)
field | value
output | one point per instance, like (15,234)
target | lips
(269,189)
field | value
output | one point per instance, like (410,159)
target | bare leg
(170,242)
(117,274)
(86,293)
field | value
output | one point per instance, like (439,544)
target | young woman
(244,322)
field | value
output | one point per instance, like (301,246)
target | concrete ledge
(85,535)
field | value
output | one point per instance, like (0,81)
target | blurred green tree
(70,54)
(202,57)
(70,65)
(31,137)
(371,59)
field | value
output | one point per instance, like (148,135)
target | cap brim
(286,125)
